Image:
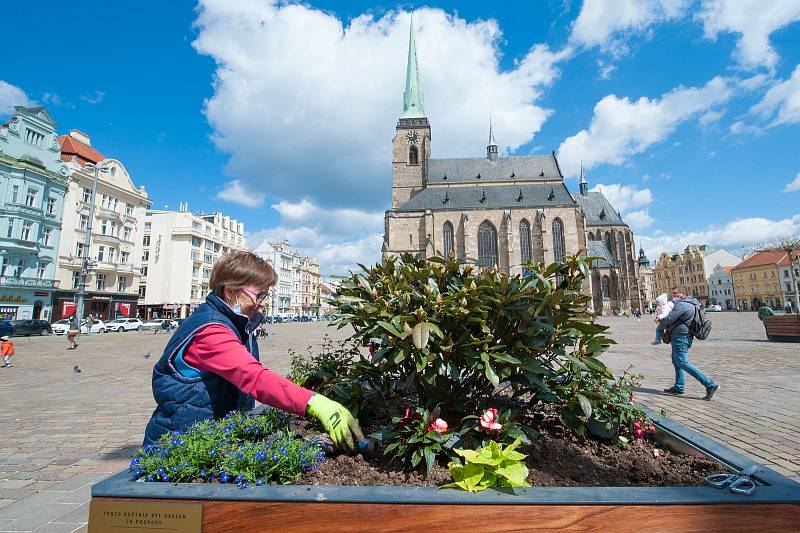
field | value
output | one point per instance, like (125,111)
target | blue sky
(686,113)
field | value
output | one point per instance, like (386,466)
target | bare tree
(791,246)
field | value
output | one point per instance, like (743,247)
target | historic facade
(33,181)
(757,280)
(690,268)
(115,246)
(720,288)
(500,211)
(298,292)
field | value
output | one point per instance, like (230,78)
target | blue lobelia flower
(166,478)
(260,481)
(151,477)
(224,478)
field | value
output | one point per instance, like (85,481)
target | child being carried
(663,308)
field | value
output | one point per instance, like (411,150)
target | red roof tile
(73,148)
(766,258)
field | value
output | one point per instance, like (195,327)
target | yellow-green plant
(489,466)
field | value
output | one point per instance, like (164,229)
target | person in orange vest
(8,351)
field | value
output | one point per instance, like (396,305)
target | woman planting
(211,364)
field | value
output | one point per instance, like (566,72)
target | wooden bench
(783,328)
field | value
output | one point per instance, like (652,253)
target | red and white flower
(438,425)
(489,420)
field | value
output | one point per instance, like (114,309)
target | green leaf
(515,473)
(586,405)
(391,329)
(430,458)
(491,375)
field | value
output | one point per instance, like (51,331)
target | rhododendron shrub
(451,333)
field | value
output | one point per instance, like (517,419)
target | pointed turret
(582,183)
(643,260)
(413,102)
(491,148)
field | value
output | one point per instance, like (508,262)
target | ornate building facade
(500,211)
(690,268)
(33,182)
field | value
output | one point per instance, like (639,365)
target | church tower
(412,139)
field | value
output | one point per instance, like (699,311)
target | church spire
(582,183)
(491,148)
(413,102)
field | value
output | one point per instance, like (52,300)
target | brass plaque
(135,516)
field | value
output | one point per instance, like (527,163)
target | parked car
(305,319)
(156,323)
(32,327)
(6,328)
(98,326)
(125,324)
(713,308)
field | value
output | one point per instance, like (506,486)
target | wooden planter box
(783,328)
(119,504)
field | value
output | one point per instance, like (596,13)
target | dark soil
(557,458)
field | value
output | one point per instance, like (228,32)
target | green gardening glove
(337,421)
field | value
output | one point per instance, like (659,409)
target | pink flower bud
(639,433)
(637,425)
(489,419)
(438,425)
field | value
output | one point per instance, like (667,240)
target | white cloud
(234,191)
(625,197)
(306,107)
(732,235)
(11,95)
(607,23)
(794,185)
(98,97)
(638,220)
(621,128)
(782,101)
(754,21)
(339,238)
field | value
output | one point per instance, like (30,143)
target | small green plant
(237,449)
(605,406)
(418,435)
(489,466)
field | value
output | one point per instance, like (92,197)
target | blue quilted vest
(183,400)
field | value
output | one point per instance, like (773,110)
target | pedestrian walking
(677,323)
(73,331)
(89,324)
(7,350)
(211,365)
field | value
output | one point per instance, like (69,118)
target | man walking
(677,323)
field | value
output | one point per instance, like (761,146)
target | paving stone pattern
(62,431)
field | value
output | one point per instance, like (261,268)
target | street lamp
(86,262)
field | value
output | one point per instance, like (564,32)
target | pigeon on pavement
(76,369)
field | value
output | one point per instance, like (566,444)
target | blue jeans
(659,331)
(680,360)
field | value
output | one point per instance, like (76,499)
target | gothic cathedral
(501,211)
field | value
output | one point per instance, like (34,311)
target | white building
(720,288)
(298,289)
(179,250)
(116,240)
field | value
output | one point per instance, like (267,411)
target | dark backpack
(700,326)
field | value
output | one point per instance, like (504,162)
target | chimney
(80,137)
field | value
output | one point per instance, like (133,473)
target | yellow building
(756,281)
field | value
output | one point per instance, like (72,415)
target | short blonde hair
(241,269)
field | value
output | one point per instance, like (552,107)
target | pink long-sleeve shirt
(217,349)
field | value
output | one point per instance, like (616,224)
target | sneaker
(655,343)
(710,392)
(3,366)
(673,390)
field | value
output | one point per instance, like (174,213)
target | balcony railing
(26,209)
(33,283)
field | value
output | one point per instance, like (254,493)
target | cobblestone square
(61,431)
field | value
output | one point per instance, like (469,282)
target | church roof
(467,169)
(598,210)
(598,249)
(74,148)
(413,101)
(490,197)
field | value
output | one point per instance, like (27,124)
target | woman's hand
(337,421)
